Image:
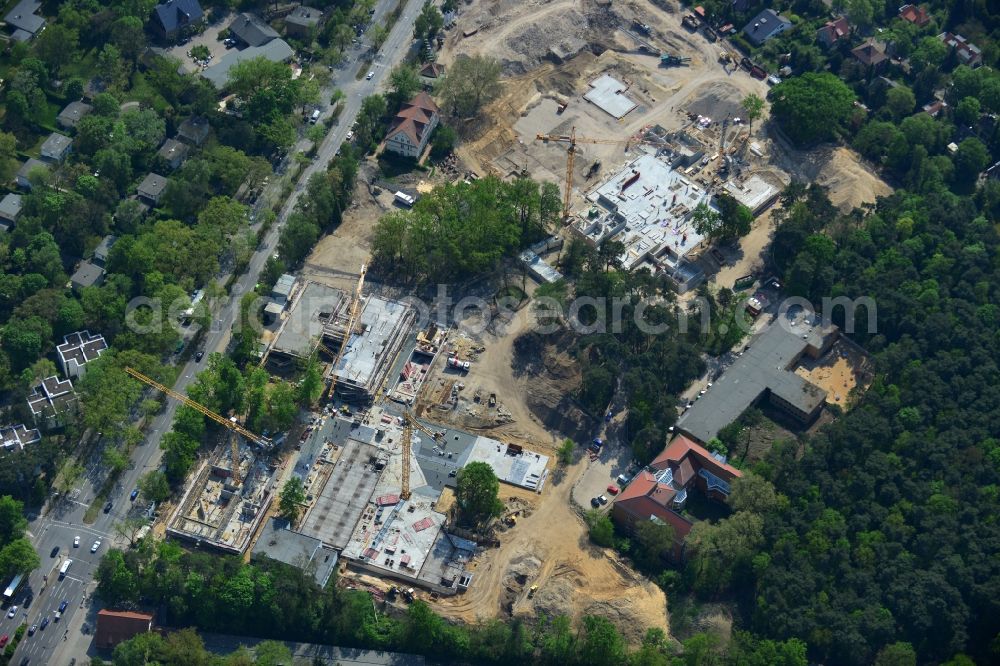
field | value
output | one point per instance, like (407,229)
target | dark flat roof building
(766,370)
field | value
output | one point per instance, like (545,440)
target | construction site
(317,321)
(638,120)
(224,503)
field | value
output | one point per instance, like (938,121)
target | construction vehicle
(230,423)
(458,364)
(532,590)
(671,60)
(572,139)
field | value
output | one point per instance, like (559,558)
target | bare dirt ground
(842,370)
(530,380)
(550,548)
(336,260)
(594,38)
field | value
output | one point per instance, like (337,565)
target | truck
(458,364)
(404,199)
(671,60)
(15,585)
(64,568)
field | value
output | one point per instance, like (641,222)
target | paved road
(63,520)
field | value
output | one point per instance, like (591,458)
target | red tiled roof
(414,118)
(644,497)
(681,447)
(113,627)
(914,14)
(835,30)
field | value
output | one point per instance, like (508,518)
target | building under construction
(221,509)
(318,319)
(372,347)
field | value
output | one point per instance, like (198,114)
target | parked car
(199,356)
(55,551)
(603,499)
(613,489)
(97,544)
(594,502)
(370,75)
(4,640)
(350,134)
(135,493)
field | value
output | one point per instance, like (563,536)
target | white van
(314,117)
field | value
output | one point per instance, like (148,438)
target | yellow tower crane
(409,423)
(352,320)
(572,139)
(229,423)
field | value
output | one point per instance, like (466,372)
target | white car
(97,544)
(76,541)
(350,135)
(12,612)
(370,75)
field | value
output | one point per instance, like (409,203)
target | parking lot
(613,460)
(208,39)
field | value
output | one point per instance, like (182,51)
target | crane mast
(230,423)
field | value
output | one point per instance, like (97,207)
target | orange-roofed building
(915,14)
(114,627)
(660,492)
(412,127)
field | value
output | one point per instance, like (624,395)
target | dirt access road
(550,548)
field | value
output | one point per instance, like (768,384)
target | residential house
(77,350)
(87,274)
(51,400)
(10,210)
(276,50)
(968,53)
(56,147)
(934,108)
(412,127)
(660,492)
(114,627)
(765,25)
(915,14)
(24,21)
(71,115)
(194,131)
(834,31)
(18,436)
(24,173)
(430,73)
(104,250)
(172,17)
(302,21)
(173,153)
(151,188)
(870,55)
(250,30)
